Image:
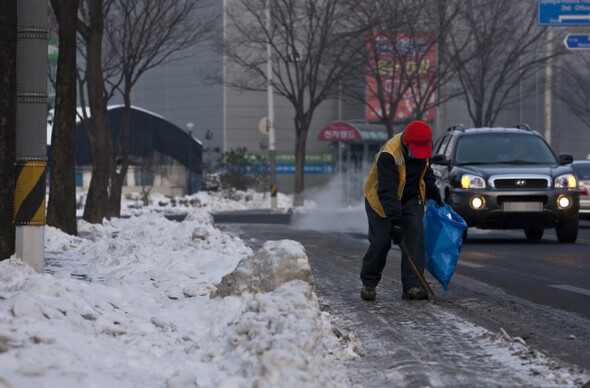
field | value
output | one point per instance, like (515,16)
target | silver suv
(507,178)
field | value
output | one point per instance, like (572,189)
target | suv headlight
(472,182)
(566,181)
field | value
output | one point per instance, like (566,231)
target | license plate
(522,206)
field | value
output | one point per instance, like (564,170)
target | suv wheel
(567,231)
(533,233)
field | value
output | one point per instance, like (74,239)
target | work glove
(438,200)
(396,231)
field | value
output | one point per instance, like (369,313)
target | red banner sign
(339,131)
(397,59)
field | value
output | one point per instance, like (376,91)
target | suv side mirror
(440,159)
(565,158)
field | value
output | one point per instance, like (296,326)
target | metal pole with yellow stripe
(31,131)
(29,194)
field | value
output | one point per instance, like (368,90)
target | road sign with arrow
(564,13)
(577,42)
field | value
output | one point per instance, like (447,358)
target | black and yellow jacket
(386,189)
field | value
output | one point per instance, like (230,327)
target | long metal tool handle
(429,292)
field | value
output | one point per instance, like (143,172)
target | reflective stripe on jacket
(393,147)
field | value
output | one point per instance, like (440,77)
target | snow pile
(536,363)
(144,315)
(280,340)
(210,201)
(274,264)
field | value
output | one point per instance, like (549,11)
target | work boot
(368,293)
(416,293)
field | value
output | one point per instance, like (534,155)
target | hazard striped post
(29,194)
(31,131)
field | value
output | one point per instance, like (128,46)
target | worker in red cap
(396,191)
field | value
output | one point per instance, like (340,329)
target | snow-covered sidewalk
(418,343)
(150,312)
(146,301)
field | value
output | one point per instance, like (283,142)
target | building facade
(189,93)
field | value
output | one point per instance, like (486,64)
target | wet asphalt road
(417,343)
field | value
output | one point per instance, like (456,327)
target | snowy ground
(146,301)
(150,313)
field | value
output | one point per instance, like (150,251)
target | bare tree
(312,49)
(8,30)
(61,209)
(138,36)
(141,35)
(387,58)
(405,71)
(91,28)
(430,86)
(574,91)
(495,45)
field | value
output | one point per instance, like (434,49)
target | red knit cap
(418,136)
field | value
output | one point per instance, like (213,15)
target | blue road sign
(577,42)
(564,12)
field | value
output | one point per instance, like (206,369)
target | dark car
(507,178)
(582,171)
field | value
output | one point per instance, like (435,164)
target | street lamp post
(548,83)
(271,117)
(190,127)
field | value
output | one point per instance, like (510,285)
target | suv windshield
(510,148)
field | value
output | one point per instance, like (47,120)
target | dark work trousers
(380,244)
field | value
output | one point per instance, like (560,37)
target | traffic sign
(564,13)
(263,125)
(577,42)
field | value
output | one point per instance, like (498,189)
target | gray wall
(179,92)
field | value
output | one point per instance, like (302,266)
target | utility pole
(548,86)
(271,116)
(31,132)
(190,127)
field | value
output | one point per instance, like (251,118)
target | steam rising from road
(337,207)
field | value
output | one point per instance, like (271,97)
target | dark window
(511,148)
(442,145)
(582,170)
(79,179)
(448,151)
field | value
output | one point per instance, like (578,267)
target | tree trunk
(389,122)
(98,130)
(98,191)
(122,151)
(301,129)
(61,209)
(7,125)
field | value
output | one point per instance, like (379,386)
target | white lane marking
(514,232)
(577,290)
(470,265)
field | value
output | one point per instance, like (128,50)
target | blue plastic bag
(443,229)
